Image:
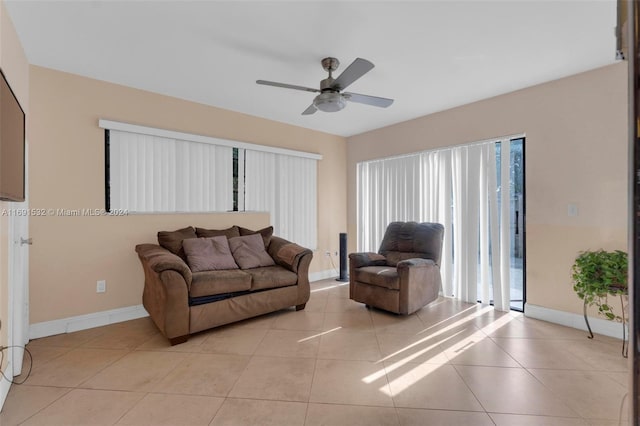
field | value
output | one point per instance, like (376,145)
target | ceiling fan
(331,97)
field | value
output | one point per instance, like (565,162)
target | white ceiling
(429,55)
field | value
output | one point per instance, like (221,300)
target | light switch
(572,210)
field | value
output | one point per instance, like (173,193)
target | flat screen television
(12,146)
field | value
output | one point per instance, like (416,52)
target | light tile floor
(335,363)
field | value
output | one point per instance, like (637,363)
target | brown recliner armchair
(404,275)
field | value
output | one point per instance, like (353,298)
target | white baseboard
(83,322)
(322,275)
(598,325)
(5,385)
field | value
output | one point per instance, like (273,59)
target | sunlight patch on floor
(329,287)
(319,334)
(450,318)
(378,374)
(415,375)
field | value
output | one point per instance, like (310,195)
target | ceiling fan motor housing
(327,85)
(329,102)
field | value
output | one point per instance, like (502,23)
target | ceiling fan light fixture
(329,102)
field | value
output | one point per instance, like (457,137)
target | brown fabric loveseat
(182,301)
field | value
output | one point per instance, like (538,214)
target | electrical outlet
(101,286)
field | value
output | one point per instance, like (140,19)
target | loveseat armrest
(287,254)
(359,260)
(160,259)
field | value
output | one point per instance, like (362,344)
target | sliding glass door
(516,219)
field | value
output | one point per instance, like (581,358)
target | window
(158,171)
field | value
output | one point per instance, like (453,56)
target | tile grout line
(386,375)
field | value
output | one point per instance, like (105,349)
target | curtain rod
(496,139)
(171,134)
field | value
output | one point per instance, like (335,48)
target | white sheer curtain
(435,206)
(390,192)
(150,174)
(478,228)
(286,187)
(456,187)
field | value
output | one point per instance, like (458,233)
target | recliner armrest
(359,260)
(415,262)
(160,259)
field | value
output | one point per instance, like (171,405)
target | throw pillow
(266,233)
(229,232)
(172,240)
(248,251)
(208,254)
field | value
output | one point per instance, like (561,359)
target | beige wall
(576,152)
(15,67)
(69,254)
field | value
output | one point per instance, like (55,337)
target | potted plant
(598,275)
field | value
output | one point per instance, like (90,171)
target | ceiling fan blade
(287,86)
(312,109)
(369,100)
(357,69)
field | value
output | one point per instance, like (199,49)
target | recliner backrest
(406,240)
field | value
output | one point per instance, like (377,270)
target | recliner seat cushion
(210,283)
(271,277)
(381,276)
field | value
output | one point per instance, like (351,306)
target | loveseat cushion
(381,276)
(209,283)
(172,240)
(208,254)
(249,252)
(271,277)
(266,233)
(234,231)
